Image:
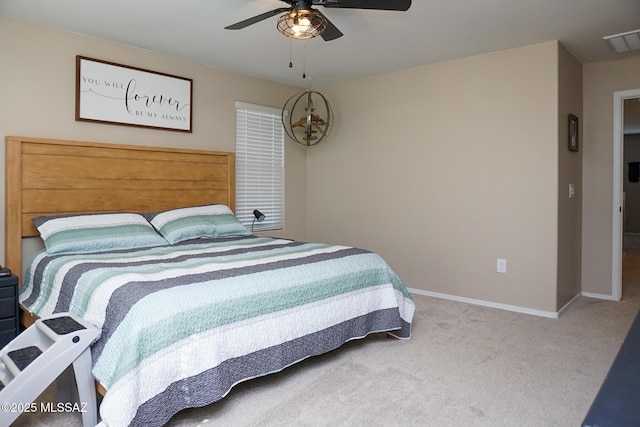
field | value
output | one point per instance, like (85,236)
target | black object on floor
(618,401)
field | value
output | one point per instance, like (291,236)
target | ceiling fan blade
(331,32)
(399,5)
(256,19)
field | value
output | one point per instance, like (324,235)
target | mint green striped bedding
(206,315)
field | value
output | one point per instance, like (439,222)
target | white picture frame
(107,92)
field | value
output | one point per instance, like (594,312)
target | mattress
(182,324)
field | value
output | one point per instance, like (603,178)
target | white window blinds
(259,165)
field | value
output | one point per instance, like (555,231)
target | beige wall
(37,83)
(440,169)
(601,80)
(569,172)
(443,169)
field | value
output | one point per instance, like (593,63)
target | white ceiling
(374,42)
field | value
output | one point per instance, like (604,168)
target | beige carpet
(465,366)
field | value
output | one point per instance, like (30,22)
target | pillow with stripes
(178,225)
(91,233)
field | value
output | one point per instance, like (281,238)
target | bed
(185,318)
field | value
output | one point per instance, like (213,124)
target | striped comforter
(182,324)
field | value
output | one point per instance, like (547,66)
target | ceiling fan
(301,21)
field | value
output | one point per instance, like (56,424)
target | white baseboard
(568,304)
(599,296)
(518,309)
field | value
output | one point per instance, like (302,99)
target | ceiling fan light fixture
(302,24)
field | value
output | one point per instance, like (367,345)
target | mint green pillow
(178,225)
(96,233)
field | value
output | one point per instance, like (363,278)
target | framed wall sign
(112,93)
(573,133)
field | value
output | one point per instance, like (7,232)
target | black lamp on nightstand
(259,216)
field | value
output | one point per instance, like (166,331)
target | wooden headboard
(56,177)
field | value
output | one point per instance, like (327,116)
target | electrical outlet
(501,266)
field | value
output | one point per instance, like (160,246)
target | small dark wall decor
(573,133)
(113,93)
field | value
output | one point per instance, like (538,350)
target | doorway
(618,198)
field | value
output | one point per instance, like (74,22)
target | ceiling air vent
(624,42)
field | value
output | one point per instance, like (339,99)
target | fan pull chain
(290,53)
(304,59)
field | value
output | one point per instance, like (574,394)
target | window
(259,165)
